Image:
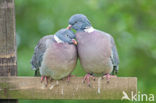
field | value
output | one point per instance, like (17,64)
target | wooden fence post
(8,64)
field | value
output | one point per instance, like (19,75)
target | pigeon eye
(67,35)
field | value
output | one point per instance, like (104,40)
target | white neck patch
(89,29)
(57,39)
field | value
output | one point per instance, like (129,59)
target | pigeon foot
(69,77)
(108,77)
(44,78)
(87,78)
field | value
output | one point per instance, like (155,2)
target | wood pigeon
(96,49)
(55,56)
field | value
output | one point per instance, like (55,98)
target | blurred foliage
(131,22)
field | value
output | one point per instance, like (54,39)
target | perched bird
(96,49)
(55,56)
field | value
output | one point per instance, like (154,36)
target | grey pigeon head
(79,22)
(66,36)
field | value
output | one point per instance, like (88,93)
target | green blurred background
(132,23)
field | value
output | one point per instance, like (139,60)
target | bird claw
(44,78)
(69,77)
(107,81)
(93,78)
(87,78)
(108,77)
(89,85)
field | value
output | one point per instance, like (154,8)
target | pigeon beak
(74,41)
(69,27)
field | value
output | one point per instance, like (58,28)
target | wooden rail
(32,88)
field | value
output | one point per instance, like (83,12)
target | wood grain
(7,38)
(8,63)
(32,88)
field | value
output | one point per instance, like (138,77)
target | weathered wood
(7,38)
(8,65)
(31,88)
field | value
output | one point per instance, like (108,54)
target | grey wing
(114,57)
(38,53)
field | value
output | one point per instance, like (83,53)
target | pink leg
(87,78)
(44,78)
(69,77)
(108,77)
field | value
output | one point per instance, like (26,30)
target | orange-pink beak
(74,41)
(69,27)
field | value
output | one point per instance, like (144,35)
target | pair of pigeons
(55,56)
